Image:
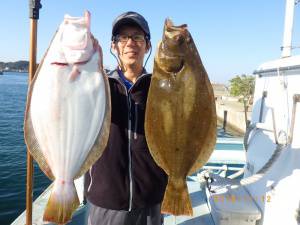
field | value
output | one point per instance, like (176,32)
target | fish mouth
(172,47)
(171,27)
(174,38)
(175,33)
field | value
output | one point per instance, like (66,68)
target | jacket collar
(114,74)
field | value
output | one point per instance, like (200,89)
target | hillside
(18,66)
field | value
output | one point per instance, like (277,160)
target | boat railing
(253,128)
(264,127)
(296,99)
(224,169)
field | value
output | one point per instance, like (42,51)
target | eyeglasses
(135,37)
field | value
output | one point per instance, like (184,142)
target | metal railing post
(34,6)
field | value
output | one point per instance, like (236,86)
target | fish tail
(177,200)
(62,203)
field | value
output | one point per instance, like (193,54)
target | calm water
(13,90)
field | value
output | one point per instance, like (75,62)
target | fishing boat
(255,180)
(268,193)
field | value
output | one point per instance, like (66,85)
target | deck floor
(198,198)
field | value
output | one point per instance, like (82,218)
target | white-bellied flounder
(180,123)
(67,115)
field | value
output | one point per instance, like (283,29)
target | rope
(259,174)
(236,174)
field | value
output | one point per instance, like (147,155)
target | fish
(180,119)
(68,111)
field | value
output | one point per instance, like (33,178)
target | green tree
(243,87)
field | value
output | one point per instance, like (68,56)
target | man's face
(131,52)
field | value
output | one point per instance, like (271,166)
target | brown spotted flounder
(180,121)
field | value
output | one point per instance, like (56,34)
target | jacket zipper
(136,107)
(129,153)
(129,138)
(129,145)
(135,120)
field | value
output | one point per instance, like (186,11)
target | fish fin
(34,146)
(29,134)
(177,200)
(62,203)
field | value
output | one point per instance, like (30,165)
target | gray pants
(146,216)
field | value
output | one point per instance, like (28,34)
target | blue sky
(232,36)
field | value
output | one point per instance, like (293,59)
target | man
(125,186)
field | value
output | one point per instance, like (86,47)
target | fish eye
(179,39)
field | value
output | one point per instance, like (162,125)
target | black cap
(130,18)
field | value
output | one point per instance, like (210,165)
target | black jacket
(126,176)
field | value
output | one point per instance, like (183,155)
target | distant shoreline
(18,66)
(14,71)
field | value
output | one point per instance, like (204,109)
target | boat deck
(200,209)
(231,155)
